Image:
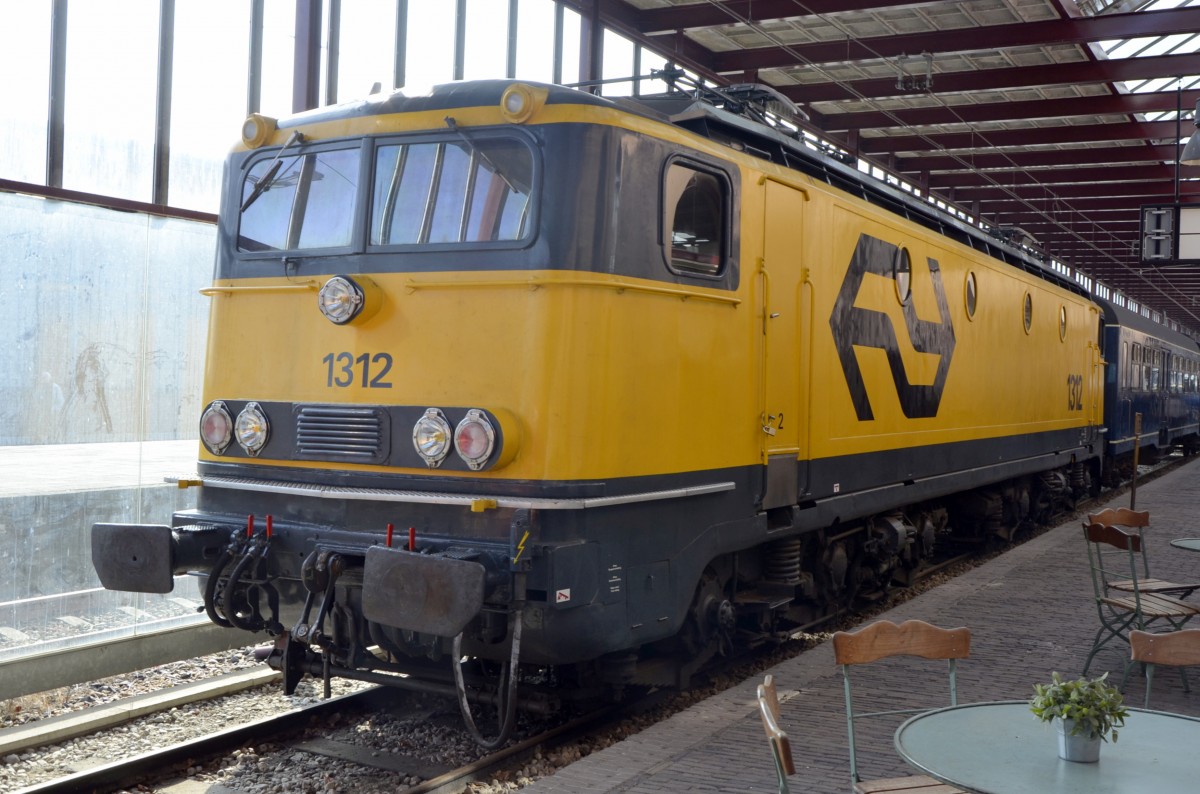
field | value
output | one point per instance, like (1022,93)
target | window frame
(476,135)
(302,149)
(727,198)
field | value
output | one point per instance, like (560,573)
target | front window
(474,190)
(297,201)
(695,220)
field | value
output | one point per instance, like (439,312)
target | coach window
(695,203)
(972,295)
(1028,312)
(1135,367)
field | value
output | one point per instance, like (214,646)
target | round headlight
(340,300)
(474,439)
(431,437)
(216,427)
(252,429)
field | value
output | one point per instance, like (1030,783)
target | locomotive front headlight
(216,427)
(252,429)
(474,439)
(340,300)
(432,437)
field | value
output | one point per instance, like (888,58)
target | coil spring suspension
(783,561)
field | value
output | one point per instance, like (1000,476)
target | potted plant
(1085,712)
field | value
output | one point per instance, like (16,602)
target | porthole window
(902,272)
(695,205)
(971,296)
(1028,311)
(1062,323)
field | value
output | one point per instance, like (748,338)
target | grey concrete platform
(1031,611)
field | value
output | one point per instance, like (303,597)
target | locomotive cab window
(695,203)
(452,191)
(295,200)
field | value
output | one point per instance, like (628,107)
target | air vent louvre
(344,434)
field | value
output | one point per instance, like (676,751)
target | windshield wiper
(268,179)
(452,124)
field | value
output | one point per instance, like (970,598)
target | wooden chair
(1139,520)
(1120,613)
(781,746)
(1176,649)
(885,639)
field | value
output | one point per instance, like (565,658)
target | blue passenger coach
(1152,370)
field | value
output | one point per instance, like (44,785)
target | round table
(1001,748)
(1187,544)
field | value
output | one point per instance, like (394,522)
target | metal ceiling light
(1191,152)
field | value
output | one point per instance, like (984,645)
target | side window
(473,191)
(300,201)
(1136,361)
(1124,365)
(695,204)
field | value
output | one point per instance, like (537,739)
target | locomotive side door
(783,377)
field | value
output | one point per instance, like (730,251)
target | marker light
(431,437)
(340,300)
(252,429)
(520,101)
(216,427)
(256,129)
(474,439)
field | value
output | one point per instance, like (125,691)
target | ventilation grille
(339,434)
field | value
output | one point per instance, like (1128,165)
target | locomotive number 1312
(343,369)
(1074,392)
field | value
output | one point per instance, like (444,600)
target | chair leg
(783,786)
(1149,681)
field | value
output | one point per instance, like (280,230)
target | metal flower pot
(1080,748)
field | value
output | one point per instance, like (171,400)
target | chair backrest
(1121,517)
(1112,556)
(885,639)
(781,746)
(1176,649)
(1132,519)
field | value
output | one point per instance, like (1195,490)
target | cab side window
(696,205)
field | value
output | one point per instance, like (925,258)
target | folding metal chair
(781,746)
(1112,557)
(1177,649)
(1139,520)
(885,639)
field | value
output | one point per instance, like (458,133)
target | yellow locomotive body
(733,384)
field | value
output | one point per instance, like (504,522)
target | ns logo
(852,325)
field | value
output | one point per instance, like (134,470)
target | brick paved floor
(1031,611)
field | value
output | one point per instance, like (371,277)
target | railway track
(289,736)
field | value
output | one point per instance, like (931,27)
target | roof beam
(1076,73)
(1153,192)
(704,14)
(1020,160)
(1017,34)
(1110,104)
(1055,176)
(1026,136)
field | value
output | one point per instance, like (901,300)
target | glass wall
(102,350)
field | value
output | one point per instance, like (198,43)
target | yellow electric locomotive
(601,388)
